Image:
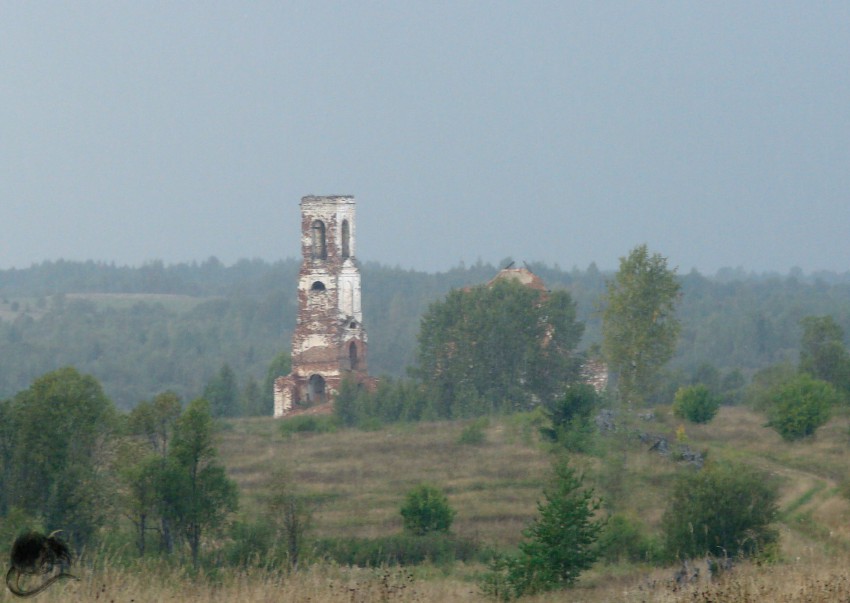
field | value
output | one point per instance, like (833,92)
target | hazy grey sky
(716,132)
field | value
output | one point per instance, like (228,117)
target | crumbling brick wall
(329,341)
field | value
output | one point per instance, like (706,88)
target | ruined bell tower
(329,341)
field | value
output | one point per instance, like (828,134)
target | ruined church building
(329,341)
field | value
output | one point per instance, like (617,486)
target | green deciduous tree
(696,403)
(143,468)
(154,421)
(822,351)
(639,325)
(169,473)
(55,452)
(724,509)
(798,407)
(426,510)
(202,495)
(140,473)
(503,346)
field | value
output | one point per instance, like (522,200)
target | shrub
(800,406)
(569,419)
(308,424)
(426,509)
(696,403)
(575,406)
(723,510)
(252,543)
(625,539)
(473,434)
(526,425)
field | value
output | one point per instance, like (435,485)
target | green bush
(569,419)
(723,510)
(625,539)
(309,424)
(526,425)
(252,544)
(473,434)
(696,404)
(574,407)
(426,509)
(800,406)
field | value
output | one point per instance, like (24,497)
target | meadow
(356,481)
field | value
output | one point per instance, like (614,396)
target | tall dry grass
(317,584)
(814,578)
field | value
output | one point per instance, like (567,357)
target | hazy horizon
(562,133)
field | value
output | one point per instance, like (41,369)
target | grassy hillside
(357,480)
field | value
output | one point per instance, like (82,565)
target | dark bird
(36,554)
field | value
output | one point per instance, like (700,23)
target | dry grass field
(357,481)
(359,478)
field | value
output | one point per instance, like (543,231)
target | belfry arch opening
(318,244)
(318,286)
(346,239)
(316,389)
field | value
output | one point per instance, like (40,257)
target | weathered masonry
(329,341)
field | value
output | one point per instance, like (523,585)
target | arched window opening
(318,247)
(316,389)
(352,356)
(318,286)
(346,239)
(352,324)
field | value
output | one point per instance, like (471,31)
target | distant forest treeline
(143,330)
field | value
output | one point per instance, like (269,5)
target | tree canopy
(496,347)
(639,327)
(142,330)
(822,351)
(206,494)
(54,464)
